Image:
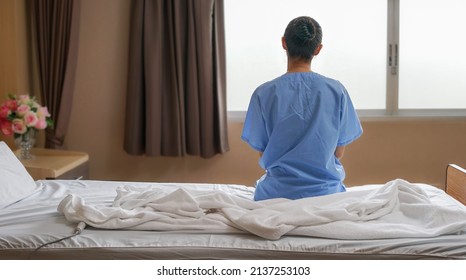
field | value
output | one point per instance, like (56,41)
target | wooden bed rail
(455,184)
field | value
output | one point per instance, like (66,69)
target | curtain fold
(55,31)
(176,81)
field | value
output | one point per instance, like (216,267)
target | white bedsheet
(397,209)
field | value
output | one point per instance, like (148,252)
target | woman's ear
(317,51)
(284,43)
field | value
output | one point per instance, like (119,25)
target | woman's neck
(295,65)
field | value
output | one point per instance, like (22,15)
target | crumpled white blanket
(395,210)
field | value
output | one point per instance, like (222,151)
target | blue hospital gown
(297,120)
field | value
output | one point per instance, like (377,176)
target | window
(392,55)
(432,54)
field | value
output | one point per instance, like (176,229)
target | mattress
(34,221)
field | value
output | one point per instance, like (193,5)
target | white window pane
(354,39)
(432,54)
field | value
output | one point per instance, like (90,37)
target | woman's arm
(339,152)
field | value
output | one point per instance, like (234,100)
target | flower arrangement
(22,114)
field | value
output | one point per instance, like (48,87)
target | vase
(25,142)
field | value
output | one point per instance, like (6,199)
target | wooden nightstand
(57,164)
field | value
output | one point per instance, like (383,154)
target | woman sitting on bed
(300,123)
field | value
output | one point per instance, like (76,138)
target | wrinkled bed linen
(397,209)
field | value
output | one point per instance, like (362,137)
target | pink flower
(6,127)
(42,112)
(21,113)
(4,112)
(23,109)
(41,124)
(19,127)
(30,119)
(11,104)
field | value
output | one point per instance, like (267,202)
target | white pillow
(15,181)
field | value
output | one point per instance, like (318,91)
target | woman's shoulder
(269,85)
(328,80)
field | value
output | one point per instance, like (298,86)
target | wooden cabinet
(57,164)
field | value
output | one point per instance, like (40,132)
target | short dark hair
(302,36)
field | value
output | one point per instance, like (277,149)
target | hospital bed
(31,220)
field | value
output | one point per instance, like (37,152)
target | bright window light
(432,54)
(354,39)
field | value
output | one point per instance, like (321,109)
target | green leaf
(49,122)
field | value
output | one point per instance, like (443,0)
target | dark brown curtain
(55,28)
(176,83)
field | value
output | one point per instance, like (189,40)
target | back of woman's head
(303,35)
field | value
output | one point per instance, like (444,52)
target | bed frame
(455,184)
